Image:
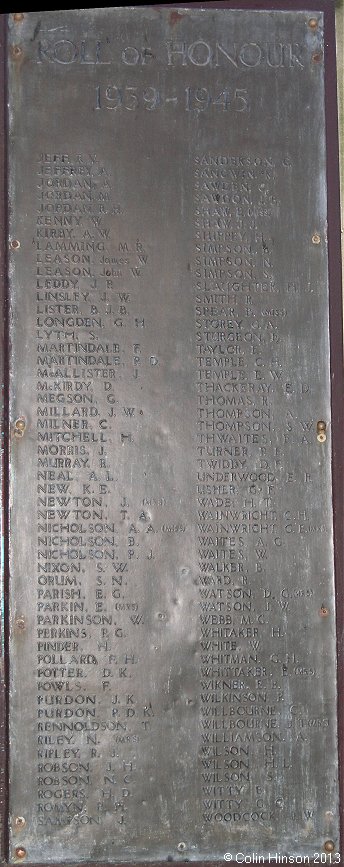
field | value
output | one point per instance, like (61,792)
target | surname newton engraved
(173,664)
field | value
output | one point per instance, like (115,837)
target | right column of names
(247,429)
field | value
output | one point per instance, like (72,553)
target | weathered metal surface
(340,62)
(173,664)
(4,444)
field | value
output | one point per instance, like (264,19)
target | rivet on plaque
(16,51)
(329,846)
(20,623)
(321,431)
(19,427)
(20,822)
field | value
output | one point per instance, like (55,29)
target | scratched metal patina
(173,666)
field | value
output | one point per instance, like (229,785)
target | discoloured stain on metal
(36,31)
(176,17)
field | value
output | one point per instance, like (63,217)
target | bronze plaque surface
(172,617)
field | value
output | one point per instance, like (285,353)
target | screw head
(321,431)
(20,822)
(15,244)
(317,57)
(181,847)
(18,17)
(316,238)
(19,427)
(324,612)
(313,23)
(16,51)
(20,852)
(20,622)
(329,846)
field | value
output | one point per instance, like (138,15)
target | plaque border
(337,392)
(336,367)
(4,454)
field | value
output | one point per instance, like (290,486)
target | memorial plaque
(172,626)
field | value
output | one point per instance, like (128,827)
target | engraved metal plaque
(172,609)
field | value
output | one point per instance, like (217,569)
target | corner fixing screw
(329,846)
